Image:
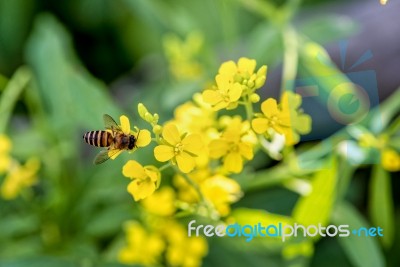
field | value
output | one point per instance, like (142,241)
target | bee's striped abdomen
(98,138)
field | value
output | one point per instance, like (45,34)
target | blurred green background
(65,63)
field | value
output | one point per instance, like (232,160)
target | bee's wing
(110,123)
(104,155)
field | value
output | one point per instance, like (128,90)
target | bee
(113,138)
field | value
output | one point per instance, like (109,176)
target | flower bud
(142,110)
(254,98)
(148,117)
(157,129)
(262,71)
(259,82)
(155,118)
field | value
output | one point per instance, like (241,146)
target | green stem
(165,166)
(344,179)
(290,58)
(210,210)
(263,8)
(394,127)
(249,109)
(11,94)
(191,182)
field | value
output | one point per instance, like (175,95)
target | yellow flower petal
(125,125)
(290,101)
(223,82)
(161,203)
(220,105)
(218,148)
(5,162)
(5,144)
(112,155)
(133,169)
(390,160)
(171,134)
(269,107)
(212,97)
(291,137)
(233,162)
(260,125)
(245,150)
(141,189)
(303,124)
(235,92)
(153,173)
(185,162)
(163,153)
(228,67)
(246,65)
(193,143)
(143,138)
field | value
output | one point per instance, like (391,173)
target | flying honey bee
(113,138)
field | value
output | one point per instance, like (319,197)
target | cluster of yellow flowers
(182,55)
(196,140)
(204,149)
(163,239)
(389,157)
(17,176)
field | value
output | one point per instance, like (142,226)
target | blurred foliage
(65,63)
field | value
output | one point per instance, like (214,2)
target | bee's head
(132,142)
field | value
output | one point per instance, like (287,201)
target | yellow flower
(181,149)
(5,144)
(244,67)
(20,177)
(145,180)
(185,191)
(285,119)
(272,117)
(182,55)
(300,122)
(161,203)
(224,95)
(195,116)
(244,73)
(142,247)
(234,81)
(221,191)
(182,250)
(5,148)
(143,137)
(390,160)
(233,145)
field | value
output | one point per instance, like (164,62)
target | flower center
(178,148)
(225,97)
(273,120)
(233,148)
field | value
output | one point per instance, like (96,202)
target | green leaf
(315,208)
(383,114)
(264,43)
(70,95)
(381,206)
(11,94)
(362,251)
(39,261)
(18,224)
(15,23)
(327,28)
(109,221)
(244,216)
